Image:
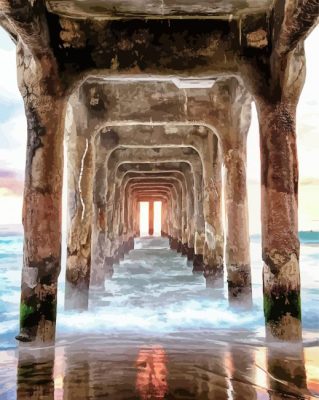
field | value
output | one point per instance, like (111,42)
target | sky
(13,143)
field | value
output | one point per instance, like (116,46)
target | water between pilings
(156,332)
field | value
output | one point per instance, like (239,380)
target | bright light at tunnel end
(144,218)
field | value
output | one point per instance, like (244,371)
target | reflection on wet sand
(286,370)
(102,369)
(151,381)
(35,379)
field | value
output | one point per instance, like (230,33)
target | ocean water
(156,316)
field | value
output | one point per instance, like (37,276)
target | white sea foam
(154,292)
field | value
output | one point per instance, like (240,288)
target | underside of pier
(151,102)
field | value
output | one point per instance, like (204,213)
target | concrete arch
(164,155)
(165,169)
(187,208)
(173,106)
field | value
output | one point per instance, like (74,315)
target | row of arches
(123,92)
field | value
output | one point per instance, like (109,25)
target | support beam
(80,198)
(131,47)
(214,229)
(293,21)
(45,106)
(234,138)
(276,102)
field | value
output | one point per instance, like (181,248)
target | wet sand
(175,368)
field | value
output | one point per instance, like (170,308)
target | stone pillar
(214,235)
(164,219)
(276,103)
(237,250)
(175,218)
(45,107)
(128,210)
(102,260)
(234,138)
(279,214)
(151,218)
(80,196)
(190,213)
(127,231)
(118,224)
(102,263)
(102,257)
(137,219)
(199,238)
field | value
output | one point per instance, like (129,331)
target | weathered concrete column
(80,196)
(137,219)
(276,103)
(102,259)
(190,195)
(118,229)
(45,107)
(164,218)
(279,213)
(232,128)
(214,232)
(151,218)
(237,250)
(199,237)
(234,138)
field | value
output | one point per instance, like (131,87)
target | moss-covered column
(80,195)
(279,214)
(45,107)
(151,218)
(214,234)
(276,87)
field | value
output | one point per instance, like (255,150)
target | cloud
(11,183)
(13,134)
(9,92)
